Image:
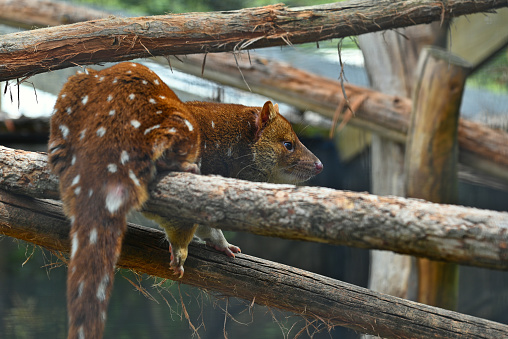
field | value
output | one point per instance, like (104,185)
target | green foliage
(493,75)
(155,7)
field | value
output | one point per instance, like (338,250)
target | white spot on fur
(84,100)
(103,316)
(148,130)
(112,168)
(77,190)
(133,65)
(68,110)
(65,131)
(90,192)
(152,101)
(93,236)
(75,244)
(189,125)
(73,161)
(133,177)
(204,145)
(162,97)
(73,219)
(110,97)
(229,152)
(112,112)
(172,130)
(213,124)
(82,134)
(156,82)
(101,290)
(132,96)
(158,112)
(135,123)
(115,80)
(129,72)
(124,157)
(144,82)
(81,333)
(101,131)
(217,145)
(75,181)
(63,95)
(81,287)
(101,79)
(114,200)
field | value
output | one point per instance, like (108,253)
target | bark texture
(115,39)
(313,296)
(442,232)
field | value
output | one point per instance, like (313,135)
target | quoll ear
(268,114)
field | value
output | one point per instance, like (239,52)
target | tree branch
(441,232)
(481,147)
(313,296)
(115,39)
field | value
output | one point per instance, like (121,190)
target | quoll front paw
(227,248)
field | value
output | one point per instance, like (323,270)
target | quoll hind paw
(176,263)
(229,250)
(178,270)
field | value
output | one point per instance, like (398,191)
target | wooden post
(432,154)
(390,60)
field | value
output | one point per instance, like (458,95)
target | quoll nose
(318,166)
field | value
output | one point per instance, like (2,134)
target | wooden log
(442,232)
(481,147)
(432,157)
(30,14)
(115,39)
(314,297)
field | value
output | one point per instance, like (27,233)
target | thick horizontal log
(441,232)
(481,147)
(313,296)
(115,39)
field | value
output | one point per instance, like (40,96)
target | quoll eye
(288,145)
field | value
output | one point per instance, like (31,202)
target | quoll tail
(94,253)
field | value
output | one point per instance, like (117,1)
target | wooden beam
(114,39)
(432,157)
(442,232)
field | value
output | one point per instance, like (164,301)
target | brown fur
(249,143)
(105,160)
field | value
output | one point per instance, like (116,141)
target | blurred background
(32,280)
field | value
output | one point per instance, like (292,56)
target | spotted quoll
(109,131)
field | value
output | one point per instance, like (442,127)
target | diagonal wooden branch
(481,147)
(442,232)
(313,296)
(115,39)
